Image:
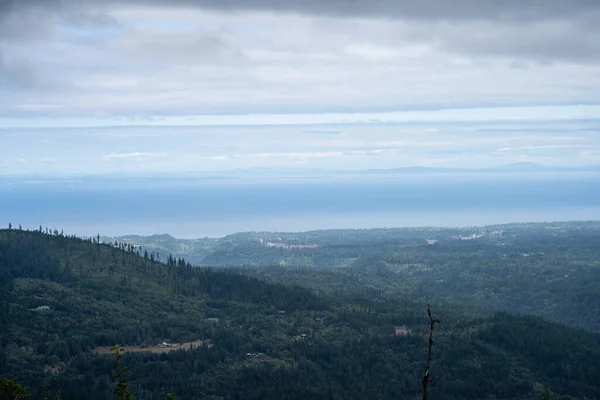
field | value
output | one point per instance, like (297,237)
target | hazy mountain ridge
(194,250)
(519,168)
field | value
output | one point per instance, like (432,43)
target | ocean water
(196,208)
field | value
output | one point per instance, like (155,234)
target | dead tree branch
(426,378)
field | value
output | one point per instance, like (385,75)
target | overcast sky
(183,85)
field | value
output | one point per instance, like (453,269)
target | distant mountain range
(515,167)
(291,173)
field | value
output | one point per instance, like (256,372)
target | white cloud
(132,156)
(363,146)
(482,114)
(545,147)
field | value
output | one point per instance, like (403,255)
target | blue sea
(198,208)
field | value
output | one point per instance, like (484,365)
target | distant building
(401,330)
(213,320)
(166,344)
(290,246)
(259,356)
(41,308)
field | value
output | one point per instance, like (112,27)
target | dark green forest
(285,329)
(545,269)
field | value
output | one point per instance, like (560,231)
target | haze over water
(198,208)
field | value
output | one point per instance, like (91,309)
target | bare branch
(426,379)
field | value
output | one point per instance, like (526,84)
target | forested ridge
(62,298)
(546,269)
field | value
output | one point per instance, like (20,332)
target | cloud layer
(424,9)
(152,150)
(314,83)
(155,58)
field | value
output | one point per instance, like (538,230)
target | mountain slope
(547,269)
(259,341)
(193,250)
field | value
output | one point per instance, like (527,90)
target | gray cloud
(164,48)
(17,75)
(544,31)
(34,19)
(141,61)
(157,58)
(576,40)
(455,10)
(523,10)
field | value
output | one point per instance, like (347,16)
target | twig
(426,379)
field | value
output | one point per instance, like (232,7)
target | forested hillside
(193,250)
(547,269)
(63,300)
